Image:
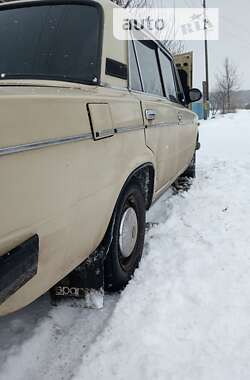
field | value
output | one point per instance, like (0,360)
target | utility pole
(206,94)
(174,19)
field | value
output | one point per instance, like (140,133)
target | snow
(186,313)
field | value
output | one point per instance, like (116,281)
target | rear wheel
(128,238)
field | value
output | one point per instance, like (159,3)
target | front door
(161,136)
(187,136)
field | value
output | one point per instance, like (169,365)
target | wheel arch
(145,176)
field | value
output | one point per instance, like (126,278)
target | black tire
(190,172)
(117,268)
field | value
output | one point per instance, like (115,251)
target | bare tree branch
(227,81)
(174,46)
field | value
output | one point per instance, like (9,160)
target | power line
(206,97)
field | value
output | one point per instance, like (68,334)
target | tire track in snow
(185,314)
(57,342)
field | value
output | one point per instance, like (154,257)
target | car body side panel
(55,191)
(161,136)
(66,192)
(187,136)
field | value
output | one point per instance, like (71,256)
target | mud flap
(182,184)
(18,266)
(86,282)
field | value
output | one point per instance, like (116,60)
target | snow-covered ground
(186,313)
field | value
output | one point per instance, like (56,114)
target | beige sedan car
(93,130)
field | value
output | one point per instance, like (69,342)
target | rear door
(159,113)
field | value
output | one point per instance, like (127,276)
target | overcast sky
(234,40)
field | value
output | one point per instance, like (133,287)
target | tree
(227,81)
(132,3)
(218,101)
(174,46)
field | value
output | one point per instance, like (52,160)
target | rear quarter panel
(66,193)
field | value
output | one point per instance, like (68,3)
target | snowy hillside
(186,314)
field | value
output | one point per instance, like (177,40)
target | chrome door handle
(150,114)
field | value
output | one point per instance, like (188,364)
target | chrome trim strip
(44,144)
(104,133)
(111,132)
(162,125)
(129,129)
(69,139)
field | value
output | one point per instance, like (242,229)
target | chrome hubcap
(128,232)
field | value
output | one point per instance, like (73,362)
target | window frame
(159,47)
(131,45)
(175,79)
(39,3)
(159,68)
(181,93)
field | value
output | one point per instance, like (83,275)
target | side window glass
(168,77)
(182,85)
(134,76)
(147,56)
(184,81)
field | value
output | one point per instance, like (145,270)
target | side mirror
(194,95)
